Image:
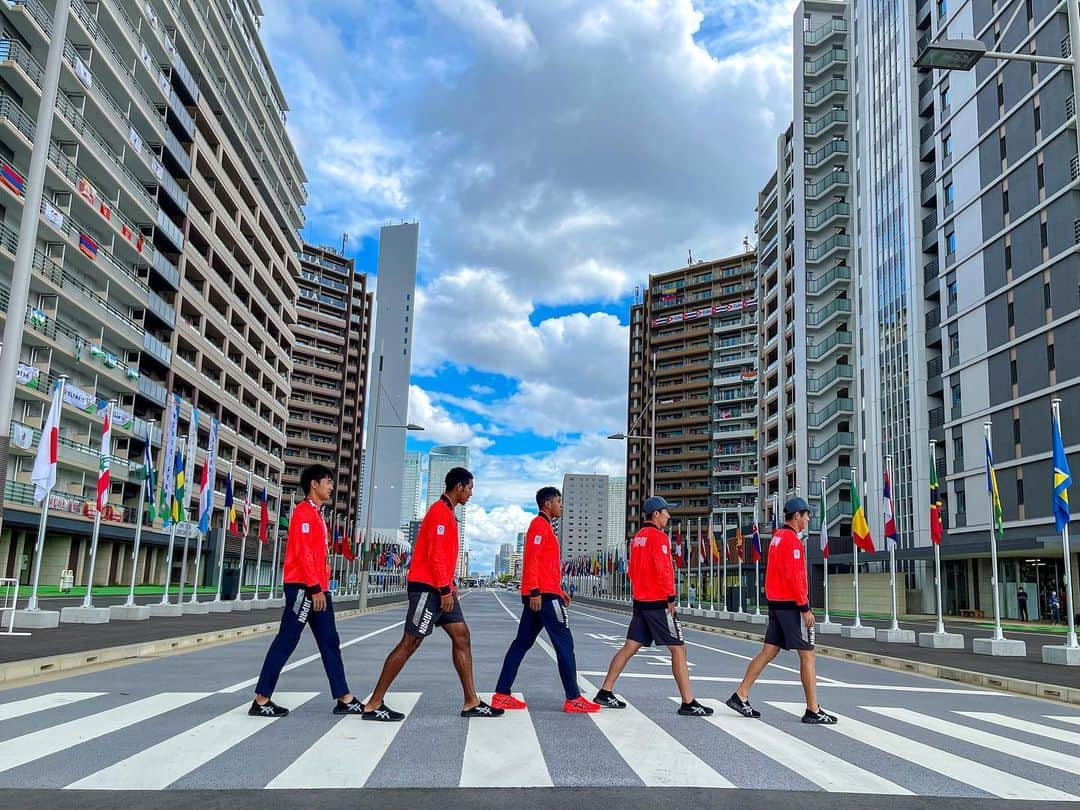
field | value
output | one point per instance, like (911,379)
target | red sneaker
(506,702)
(580,705)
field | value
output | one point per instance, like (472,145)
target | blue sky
(555,152)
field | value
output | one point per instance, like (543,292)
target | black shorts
(657,626)
(787,631)
(424,614)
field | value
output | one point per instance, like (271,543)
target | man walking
(1021,602)
(791,623)
(433,602)
(307,580)
(544,607)
(652,580)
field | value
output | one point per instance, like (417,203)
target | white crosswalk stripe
(160,765)
(812,763)
(37,744)
(996,742)
(1064,718)
(489,760)
(979,776)
(1038,729)
(347,755)
(19,708)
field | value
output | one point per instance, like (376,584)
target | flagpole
(697,590)
(855,563)
(139,523)
(892,546)
(243,539)
(757,563)
(742,555)
(998,635)
(825,551)
(937,554)
(723,532)
(104,464)
(277,529)
(39,547)
(224,537)
(191,450)
(1070,610)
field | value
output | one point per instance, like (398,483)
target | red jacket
(651,572)
(435,556)
(541,570)
(785,571)
(305,551)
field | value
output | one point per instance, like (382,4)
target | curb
(72,662)
(1015,686)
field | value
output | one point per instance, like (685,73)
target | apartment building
(693,393)
(441,460)
(165,259)
(615,528)
(583,527)
(330,372)
(411,504)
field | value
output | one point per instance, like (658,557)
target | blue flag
(1062,479)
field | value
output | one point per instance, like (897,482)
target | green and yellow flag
(860,529)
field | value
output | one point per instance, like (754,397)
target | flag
(774,520)
(12,179)
(48,453)
(230,504)
(206,490)
(824,527)
(889,521)
(714,552)
(756,547)
(700,546)
(264,517)
(177,510)
(936,529)
(247,507)
(860,531)
(88,246)
(677,550)
(148,476)
(346,549)
(1062,479)
(992,488)
(739,543)
(104,462)
(168,482)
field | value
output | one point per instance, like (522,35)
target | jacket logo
(797,553)
(663,549)
(440,530)
(305,527)
(536,540)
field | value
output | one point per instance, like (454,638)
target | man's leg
(808,676)
(681,672)
(394,662)
(326,636)
(288,636)
(528,629)
(755,668)
(553,616)
(619,662)
(461,652)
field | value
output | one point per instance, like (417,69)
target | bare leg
(461,652)
(619,662)
(681,672)
(394,662)
(808,675)
(755,668)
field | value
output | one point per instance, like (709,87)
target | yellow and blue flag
(992,488)
(1062,478)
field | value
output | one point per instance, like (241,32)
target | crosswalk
(110,741)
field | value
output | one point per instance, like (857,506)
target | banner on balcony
(87,192)
(77,398)
(12,179)
(22,436)
(157,168)
(131,373)
(119,416)
(27,375)
(148,60)
(52,214)
(88,246)
(135,139)
(163,83)
(38,319)
(150,15)
(706,312)
(83,72)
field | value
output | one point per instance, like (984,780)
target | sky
(555,153)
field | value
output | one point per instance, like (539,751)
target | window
(1012,372)
(948,192)
(1038,118)
(1046,295)
(950,243)
(1043,240)
(958,450)
(1020,491)
(1003,151)
(942,8)
(1016,431)
(1040,175)
(1005,202)
(945,97)
(1011,312)
(1000,93)
(961,499)
(946,146)
(952,290)
(1050,362)
(1008,257)
(956,398)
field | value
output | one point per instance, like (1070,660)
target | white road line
(504,752)
(655,756)
(236,687)
(347,755)
(877,687)
(1026,726)
(21,750)
(996,742)
(979,776)
(1063,718)
(160,765)
(18,708)
(812,763)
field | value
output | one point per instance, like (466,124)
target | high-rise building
(391,365)
(410,488)
(615,527)
(582,529)
(329,380)
(440,461)
(519,543)
(693,359)
(502,559)
(165,259)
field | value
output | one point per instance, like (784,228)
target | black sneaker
(694,709)
(383,714)
(354,706)
(481,709)
(819,718)
(268,709)
(743,707)
(607,700)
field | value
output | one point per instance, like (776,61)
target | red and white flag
(44,473)
(105,461)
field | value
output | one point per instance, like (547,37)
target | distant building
(615,528)
(585,510)
(410,489)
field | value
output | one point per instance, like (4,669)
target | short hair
(789,515)
(313,473)
(457,475)
(545,494)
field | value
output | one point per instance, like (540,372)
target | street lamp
(651,439)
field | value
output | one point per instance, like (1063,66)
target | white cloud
(438,425)
(484,20)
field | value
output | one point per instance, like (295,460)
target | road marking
(18,708)
(504,752)
(996,742)
(967,771)
(1037,729)
(346,755)
(160,765)
(878,687)
(28,747)
(1062,718)
(236,687)
(820,767)
(655,756)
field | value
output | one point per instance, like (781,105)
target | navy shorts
(787,631)
(425,615)
(657,626)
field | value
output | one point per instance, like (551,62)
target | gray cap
(655,504)
(796,504)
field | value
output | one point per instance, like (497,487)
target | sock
(603,693)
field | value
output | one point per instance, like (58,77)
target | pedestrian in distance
(653,620)
(433,602)
(691,596)
(791,622)
(544,604)
(307,602)
(1054,603)
(1021,602)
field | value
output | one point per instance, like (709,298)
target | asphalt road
(179,723)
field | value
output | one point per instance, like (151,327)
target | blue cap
(796,504)
(655,504)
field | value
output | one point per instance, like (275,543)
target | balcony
(839,372)
(837,146)
(839,241)
(819,351)
(835,26)
(823,315)
(166,269)
(178,153)
(836,56)
(822,218)
(840,475)
(181,115)
(824,282)
(816,190)
(158,349)
(820,94)
(167,228)
(819,453)
(840,405)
